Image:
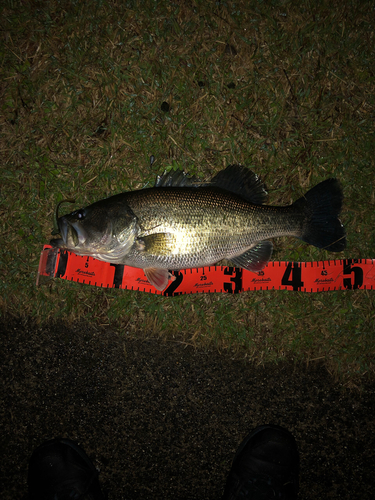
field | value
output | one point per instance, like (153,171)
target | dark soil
(162,420)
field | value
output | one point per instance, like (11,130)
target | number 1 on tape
(345,274)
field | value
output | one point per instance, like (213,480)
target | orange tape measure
(345,274)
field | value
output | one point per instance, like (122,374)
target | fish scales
(207,224)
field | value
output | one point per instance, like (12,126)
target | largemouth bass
(182,223)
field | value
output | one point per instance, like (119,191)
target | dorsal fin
(237,179)
(177,178)
(242,181)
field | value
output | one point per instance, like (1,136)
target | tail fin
(321,206)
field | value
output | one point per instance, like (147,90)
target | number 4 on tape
(349,274)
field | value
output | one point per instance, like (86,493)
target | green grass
(283,87)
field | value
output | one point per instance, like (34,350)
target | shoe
(265,467)
(59,469)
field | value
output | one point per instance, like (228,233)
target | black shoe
(59,469)
(266,466)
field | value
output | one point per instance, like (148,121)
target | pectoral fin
(256,258)
(159,243)
(159,277)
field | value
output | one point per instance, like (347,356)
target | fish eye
(81,214)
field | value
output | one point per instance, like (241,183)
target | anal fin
(256,258)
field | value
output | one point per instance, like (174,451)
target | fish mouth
(70,236)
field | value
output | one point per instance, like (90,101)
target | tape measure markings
(318,276)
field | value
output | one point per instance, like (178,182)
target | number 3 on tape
(350,274)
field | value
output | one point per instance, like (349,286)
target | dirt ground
(162,420)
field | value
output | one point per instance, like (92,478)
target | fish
(184,223)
